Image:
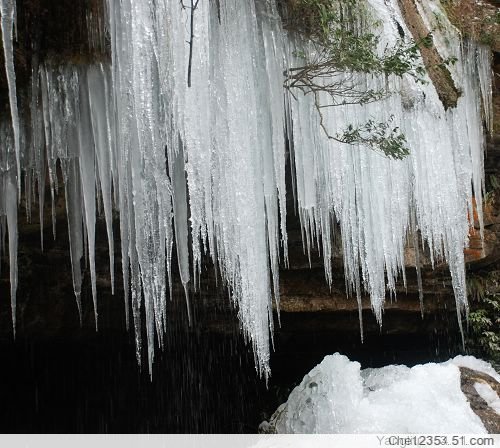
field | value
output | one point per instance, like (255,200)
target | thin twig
(192,8)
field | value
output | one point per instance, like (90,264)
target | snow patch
(473,363)
(487,393)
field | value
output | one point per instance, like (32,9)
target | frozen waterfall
(202,167)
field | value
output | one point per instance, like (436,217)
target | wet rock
(489,417)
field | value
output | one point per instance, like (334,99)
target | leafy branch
(340,52)
(483,323)
(378,136)
(484,320)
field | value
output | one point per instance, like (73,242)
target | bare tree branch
(192,8)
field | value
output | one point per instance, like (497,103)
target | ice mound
(337,396)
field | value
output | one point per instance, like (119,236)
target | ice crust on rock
(487,393)
(337,396)
(204,166)
(473,363)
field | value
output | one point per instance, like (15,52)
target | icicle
(360,310)
(102,137)
(418,268)
(205,163)
(10,190)
(87,176)
(370,195)
(38,143)
(180,222)
(483,66)
(8,207)
(74,199)
(7,12)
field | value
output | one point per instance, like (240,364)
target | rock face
(489,417)
(56,31)
(476,20)
(439,74)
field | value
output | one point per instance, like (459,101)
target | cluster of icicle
(204,164)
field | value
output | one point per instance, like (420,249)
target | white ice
(338,397)
(7,16)
(473,363)
(204,165)
(487,393)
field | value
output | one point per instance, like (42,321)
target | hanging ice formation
(206,163)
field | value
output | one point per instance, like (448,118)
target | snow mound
(337,396)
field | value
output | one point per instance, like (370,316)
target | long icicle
(8,12)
